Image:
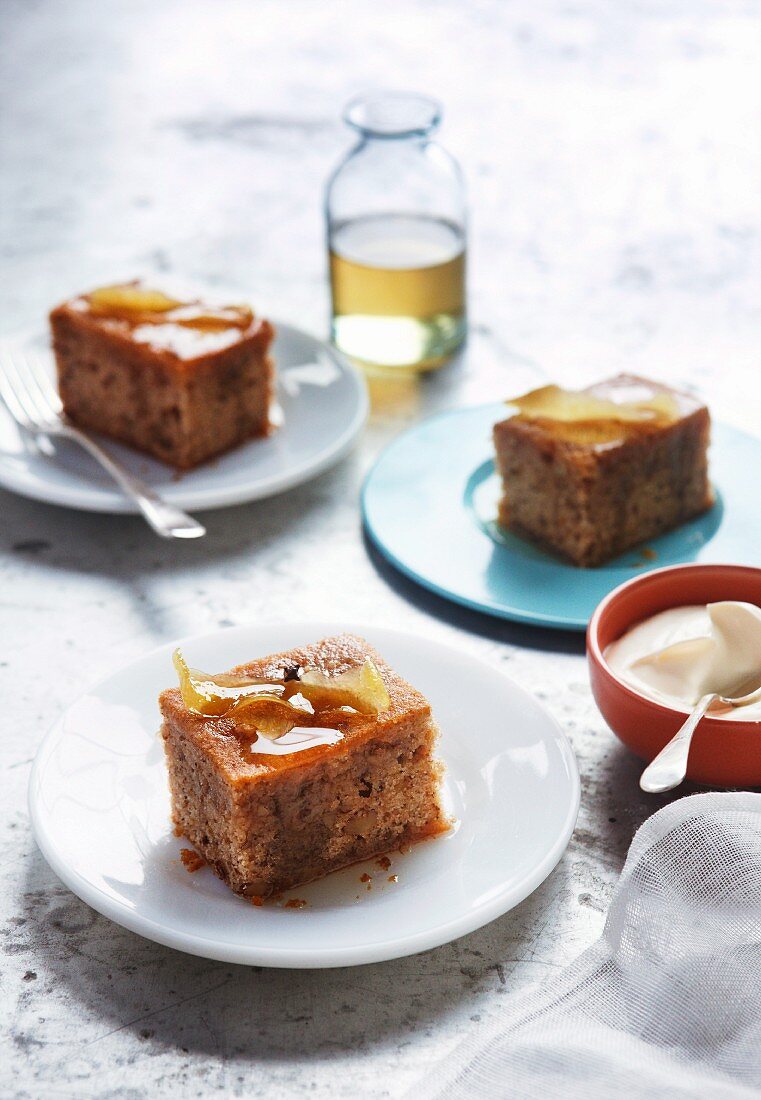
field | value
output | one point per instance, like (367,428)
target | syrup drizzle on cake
(268,821)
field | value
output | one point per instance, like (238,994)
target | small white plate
(100,811)
(324,405)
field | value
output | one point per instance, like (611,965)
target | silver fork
(32,401)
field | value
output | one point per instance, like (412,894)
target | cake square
(591,473)
(268,820)
(182,381)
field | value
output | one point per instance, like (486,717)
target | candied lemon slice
(130,298)
(214,696)
(664,405)
(361,688)
(213,320)
(266,708)
(570,406)
(267,715)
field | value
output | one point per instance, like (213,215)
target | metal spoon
(670,765)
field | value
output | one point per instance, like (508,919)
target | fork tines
(27,390)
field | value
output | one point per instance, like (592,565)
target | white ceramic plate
(100,812)
(324,406)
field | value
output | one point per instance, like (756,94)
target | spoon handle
(670,765)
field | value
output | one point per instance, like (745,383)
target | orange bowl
(725,752)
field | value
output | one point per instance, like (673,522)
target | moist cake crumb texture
(268,823)
(590,491)
(180,393)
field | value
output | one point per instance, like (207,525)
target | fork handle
(164,518)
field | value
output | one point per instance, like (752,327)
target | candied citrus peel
(141,305)
(573,406)
(212,320)
(266,707)
(267,715)
(131,298)
(361,688)
(214,696)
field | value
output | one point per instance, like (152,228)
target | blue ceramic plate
(430,506)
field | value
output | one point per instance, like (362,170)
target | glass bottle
(396,225)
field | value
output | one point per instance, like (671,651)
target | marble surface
(614,170)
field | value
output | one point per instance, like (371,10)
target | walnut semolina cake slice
(591,473)
(180,380)
(315,758)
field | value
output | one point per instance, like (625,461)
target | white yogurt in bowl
(681,654)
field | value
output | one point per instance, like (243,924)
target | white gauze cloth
(667,1003)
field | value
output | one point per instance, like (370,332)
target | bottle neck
(393,143)
(393,116)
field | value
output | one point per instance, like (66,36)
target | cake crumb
(295,903)
(647,555)
(191,860)
(384,863)
(393,878)
(404,848)
(365,877)
(257,900)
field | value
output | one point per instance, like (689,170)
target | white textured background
(614,167)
